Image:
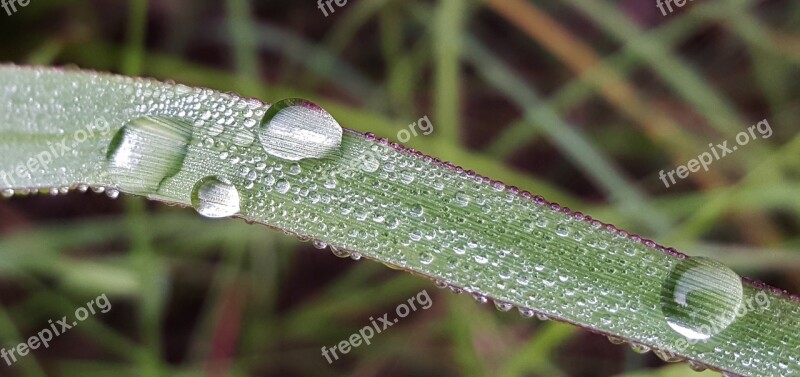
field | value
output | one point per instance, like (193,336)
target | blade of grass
(466,218)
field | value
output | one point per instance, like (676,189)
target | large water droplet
(214,197)
(700,297)
(296,129)
(146,151)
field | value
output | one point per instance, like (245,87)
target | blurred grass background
(581,101)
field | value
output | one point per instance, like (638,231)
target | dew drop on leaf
(296,129)
(700,297)
(214,197)
(146,151)
(282,186)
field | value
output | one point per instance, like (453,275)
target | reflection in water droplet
(503,306)
(282,186)
(341,253)
(146,151)
(213,197)
(526,313)
(667,356)
(461,199)
(481,299)
(615,340)
(369,162)
(296,129)
(700,297)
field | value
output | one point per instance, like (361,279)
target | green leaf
(368,197)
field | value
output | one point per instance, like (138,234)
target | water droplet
(319,244)
(341,253)
(503,306)
(667,356)
(615,340)
(112,193)
(700,297)
(7,193)
(526,313)
(461,199)
(146,151)
(417,210)
(282,186)
(214,197)
(368,162)
(296,129)
(639,348)
(562,230)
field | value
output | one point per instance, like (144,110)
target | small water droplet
(214,197)
(367,162)
(700,297)
(667,356)
(7,193)
(562,230)
(341,253)
(319,244)
(639,348)
(461,199)
(296,129)
(112,193)
(615,340)
(503,306)
(417,210)
(479,298)
(282,186)
(146,151)
(295,169)
(526,313)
